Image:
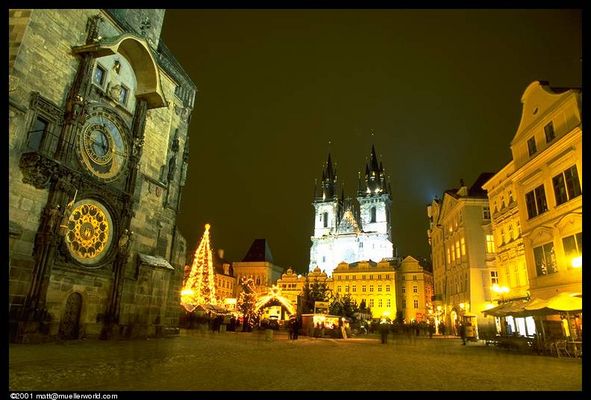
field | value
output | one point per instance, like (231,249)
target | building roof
(476,189)
(259,251)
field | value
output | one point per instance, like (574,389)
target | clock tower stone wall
(134,289)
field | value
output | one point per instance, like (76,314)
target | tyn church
(349,232)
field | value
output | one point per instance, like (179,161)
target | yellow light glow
(462,306)
(438,308)
(187,292)
(577,262)
(386,313)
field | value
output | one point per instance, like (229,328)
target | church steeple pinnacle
(375,179)
(329,180)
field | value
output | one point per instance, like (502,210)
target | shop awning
(563,302)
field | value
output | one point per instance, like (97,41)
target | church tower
(344,232)
(374,199)
(327,211)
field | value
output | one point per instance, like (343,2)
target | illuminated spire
(199,288)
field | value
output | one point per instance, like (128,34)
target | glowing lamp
(577,262)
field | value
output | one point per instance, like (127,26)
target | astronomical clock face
(102,145)
(89,232)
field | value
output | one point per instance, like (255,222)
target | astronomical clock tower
(99,112)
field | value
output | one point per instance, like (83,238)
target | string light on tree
(199,287)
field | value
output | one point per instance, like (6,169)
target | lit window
(379,302)
(99,75)
(414,277)
(379,288)
(353,288)
(494,277)
(535,201)
(490,244)
(371,302)
(387,288)
(463,246)
(545,259)
(347,289)
(415,289)
(458,249)
(388,303)
(549,132)
(338,288)
(370,288)
(363,288)
(531,146)
(566,185)
(573,246)
(379,277)
(416,304)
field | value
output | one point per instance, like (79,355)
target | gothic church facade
(349,232)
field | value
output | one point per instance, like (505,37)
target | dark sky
(440,89)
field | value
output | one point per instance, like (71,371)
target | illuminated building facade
(414,291)
(548,167)
(346,233)
(510,279)
(225,281)
(258,265)
(463,252)
(99,112)
(369,282)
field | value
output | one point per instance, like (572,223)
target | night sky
(278,90)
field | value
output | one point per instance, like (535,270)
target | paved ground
(246,361)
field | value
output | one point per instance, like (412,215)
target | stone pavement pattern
(245,361)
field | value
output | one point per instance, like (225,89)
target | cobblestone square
(198,361)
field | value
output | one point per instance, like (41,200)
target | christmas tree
(199,286)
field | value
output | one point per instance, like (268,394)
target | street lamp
(500,290)
(577,262)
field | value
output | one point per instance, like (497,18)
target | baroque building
(536,201)
(414,291)
(98,150)
(368,282)
(462,252)
(548,156)
(345,232)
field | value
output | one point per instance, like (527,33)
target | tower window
(373,214)
(325,219)
(36,134)
(123,95)
(99,75)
